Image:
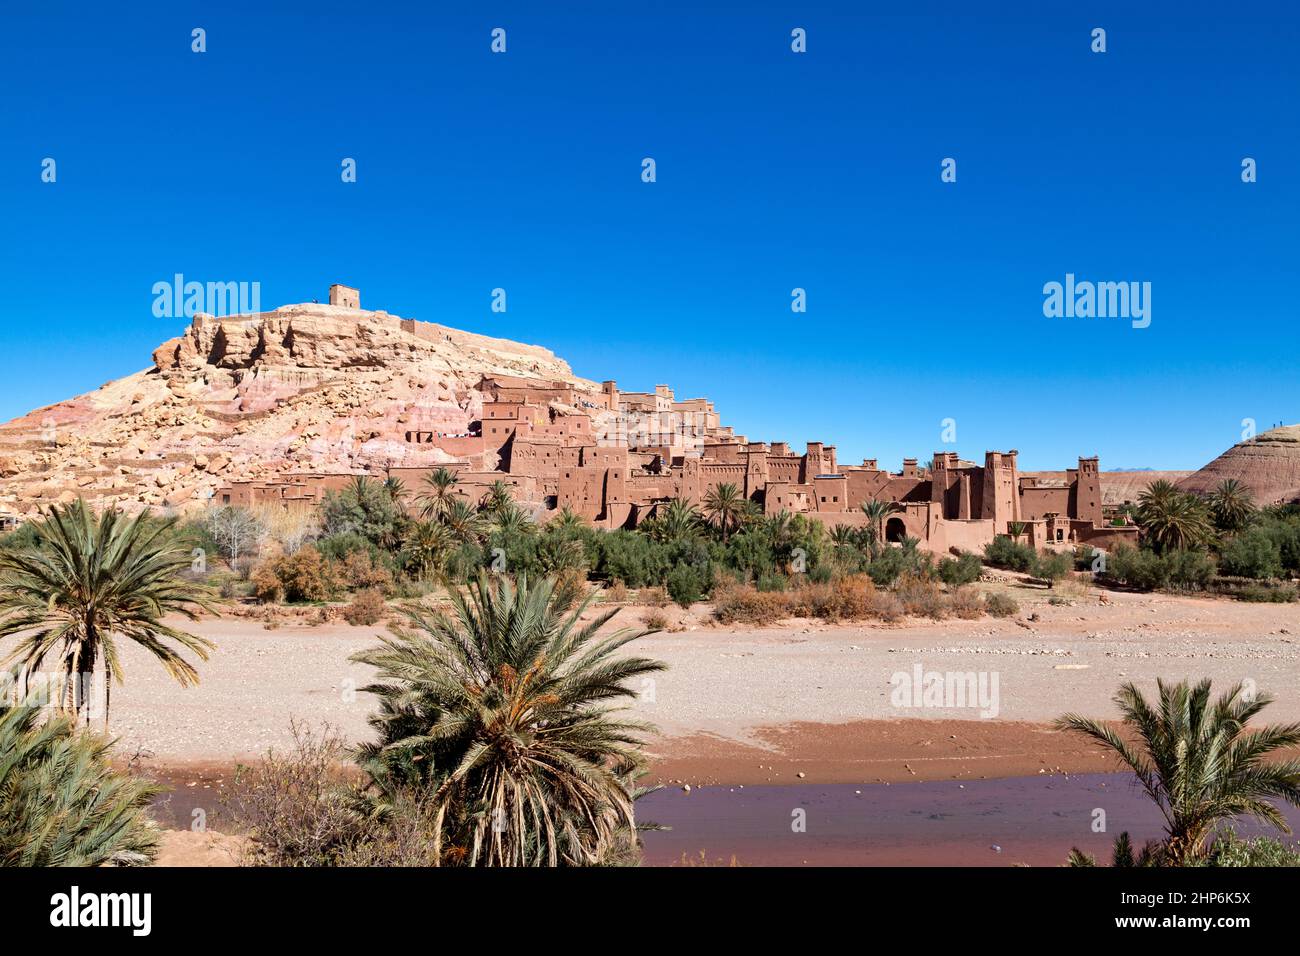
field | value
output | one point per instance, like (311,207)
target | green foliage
(688,583)
(367,509)
(964,569)
(498,715)
(1171,519)
(1197,761)
(1003,552)
(1146,570)
(1252,554)
(1232,506)
(89,581)
(1052,566)
(62,803)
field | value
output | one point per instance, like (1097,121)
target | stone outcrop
(303,388)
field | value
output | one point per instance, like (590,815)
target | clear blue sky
(775,171)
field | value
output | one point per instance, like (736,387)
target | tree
(1197,762)
(725,506)
(675,520)
(439,493)
(466,524)
(877,512)
(428,546)
(499,715)
(1171,519)
(496,499)
(1232,505)
(61,803)
(89,581)
(236,531)
(1015,529)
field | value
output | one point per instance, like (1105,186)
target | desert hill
(302,388)
(1268,464)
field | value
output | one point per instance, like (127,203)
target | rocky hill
(303,388)
(1268,464)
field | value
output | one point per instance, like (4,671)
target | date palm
(61,803)
(428,546)
(676,520)
(1171,519)
(877,512)
(725,507)
(90,581)
(500,714)
(1232,505)
(1197,761)
(466,523)
(497,498)
(439,493)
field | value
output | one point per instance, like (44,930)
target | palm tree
(88,581)
(568,520)
(1015,529)
(499,713)
(428,546)
(511,520)
(465,522)
(724,505)
(1197,762)
(676,520)
(1232,505)
(497,498)
(395,489)
(439,496)
(1171,519)
(877,512)
(61,803)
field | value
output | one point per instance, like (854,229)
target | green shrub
(965,569)
(1002,552)
(1052,566)
(1137,568)
(1189,570)
(687,583)
(1252,554)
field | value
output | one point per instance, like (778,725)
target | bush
(966,603)
(301,576)
(1190,570)
(745,605)
(921,597)
(893,563)
(687,583)
(1052,566)
(1000,605)
(964,569)
(367,608)
(1252,554)
(843,599)
(297,806)
(652,597)
(1002,552)
(1137,568)
(358,570)
(656,621)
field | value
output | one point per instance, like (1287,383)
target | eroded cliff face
(1268,464)
(303,388)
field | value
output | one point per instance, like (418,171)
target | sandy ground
(760,705)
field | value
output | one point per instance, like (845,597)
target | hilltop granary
(615,457)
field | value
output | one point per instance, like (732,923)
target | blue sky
(775,170)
